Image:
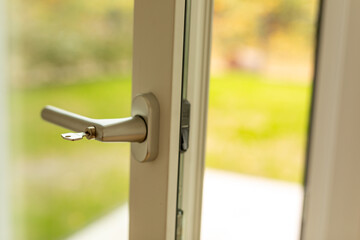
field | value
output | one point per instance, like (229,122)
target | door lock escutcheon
(141,129)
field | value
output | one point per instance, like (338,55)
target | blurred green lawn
(256,126)
(62,185)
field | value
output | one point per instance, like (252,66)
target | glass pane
(260,94)
(74,55)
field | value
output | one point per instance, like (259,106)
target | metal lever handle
(141,129)
(132,129)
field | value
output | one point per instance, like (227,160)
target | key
(89,133)
(73,136)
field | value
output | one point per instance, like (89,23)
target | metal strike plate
(147,107)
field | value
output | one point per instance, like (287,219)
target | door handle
(141,129)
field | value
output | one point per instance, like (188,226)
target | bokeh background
(76,55)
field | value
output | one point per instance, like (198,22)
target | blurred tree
(59,39)
(260,23)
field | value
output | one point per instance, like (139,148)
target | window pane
(260,94)
(75,55)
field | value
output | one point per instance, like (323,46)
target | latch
(185,125)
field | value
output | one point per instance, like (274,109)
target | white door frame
(197,95)
(157,68)
(167,61)
(5,219)
(332,193)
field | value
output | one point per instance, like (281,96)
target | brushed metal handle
(141,129)
(131,129)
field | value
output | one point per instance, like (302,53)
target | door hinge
(185,126)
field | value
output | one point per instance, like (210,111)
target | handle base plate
(147,107)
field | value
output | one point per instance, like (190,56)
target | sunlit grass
(61,185)
(258,125)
